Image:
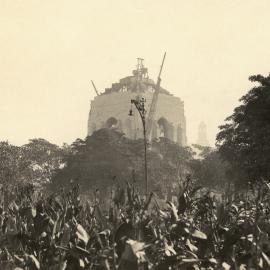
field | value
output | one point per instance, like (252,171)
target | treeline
(105,159)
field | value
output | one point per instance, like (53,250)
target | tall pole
(139,104)
(145,158)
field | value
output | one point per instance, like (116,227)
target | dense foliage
(11,163)
(209,169)
(108,156)
(244,141)
(200,232)
(103,159)
(34,162)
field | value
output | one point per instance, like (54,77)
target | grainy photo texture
(134,135)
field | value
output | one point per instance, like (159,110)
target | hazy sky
(51,49)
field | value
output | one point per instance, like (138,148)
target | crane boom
(153,106)
(95,88)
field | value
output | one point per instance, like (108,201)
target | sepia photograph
(134,135)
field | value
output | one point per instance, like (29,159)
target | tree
(107,157)
(11,163)
(32,163)
(244,141)
(209,169)
(43,159)
(169,164)
(95,161)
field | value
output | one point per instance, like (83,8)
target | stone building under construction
(110,109)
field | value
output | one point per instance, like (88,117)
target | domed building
(110,109)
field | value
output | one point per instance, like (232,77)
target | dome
(138,82)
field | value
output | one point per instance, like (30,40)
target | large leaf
(199,235)
(82,234)
(133,255)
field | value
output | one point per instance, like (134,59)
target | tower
(110,108)
(202,135)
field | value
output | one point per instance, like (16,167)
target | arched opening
(164,129)
(111,123)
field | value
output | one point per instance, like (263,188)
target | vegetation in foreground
(199,232)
